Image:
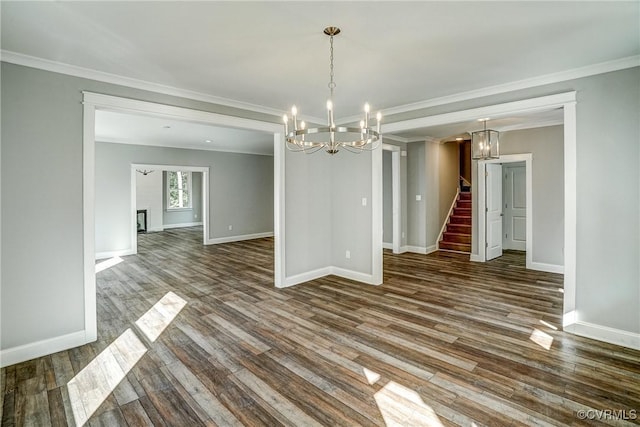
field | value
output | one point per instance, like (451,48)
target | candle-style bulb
(366,107)
(379,116)
(285,118)
(329,105)
(294,111)
(362,124)
(302,125)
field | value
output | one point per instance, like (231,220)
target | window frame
(189,191)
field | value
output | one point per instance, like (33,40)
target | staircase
(457,235)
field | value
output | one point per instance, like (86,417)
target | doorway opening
(391,213)
(491,206)
(150,192)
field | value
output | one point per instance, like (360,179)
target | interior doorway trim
(170,168)
(482,204)
(566,101)
(95,101)
(395,195)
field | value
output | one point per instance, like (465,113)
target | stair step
(459,229)
(456,238)
(461,211)
(458,219)
(464,196)
(460,247)
(464,204)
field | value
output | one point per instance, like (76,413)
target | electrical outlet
(418,197)
(364,201)
(348,255)
(195,216)
(231,227)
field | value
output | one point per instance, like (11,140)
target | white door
(515,208)
(494,210)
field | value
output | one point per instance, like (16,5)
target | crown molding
(87,73)
(576,73)
(72,70)
(531,125)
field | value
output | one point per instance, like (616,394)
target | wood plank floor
(192,335)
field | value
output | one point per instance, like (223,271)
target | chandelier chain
(332,84)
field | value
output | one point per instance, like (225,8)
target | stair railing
(446,220)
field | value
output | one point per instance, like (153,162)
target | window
(178,190)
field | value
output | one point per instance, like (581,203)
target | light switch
(348,255)
(418,197)
(364,201)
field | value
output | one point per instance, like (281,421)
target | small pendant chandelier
(331,138)
(484,143)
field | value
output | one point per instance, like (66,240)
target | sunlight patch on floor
(101,266)
(401,406)
(158,317)
(98,379)
(543,339)
(548,325)
(91,386)
(371,376)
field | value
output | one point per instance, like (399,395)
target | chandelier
(332,138)
(484,143)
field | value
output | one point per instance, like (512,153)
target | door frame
(92,101)
(508,169)
(395,195)
(169,168)
(567,101)
(482,204)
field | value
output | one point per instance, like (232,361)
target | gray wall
(416,185)
(546,146)
(351,222)
(449,178)
(240,190)
(42,132)
(186,216)
(308,220)
(608,131)
(387,199)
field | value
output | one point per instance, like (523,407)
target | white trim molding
(576,73)
(308,276)
(87,73)
(111,254)
(549,268)
(419,249)
(481,186)
(604,333)
(239,238)
(21,353)
(181,225)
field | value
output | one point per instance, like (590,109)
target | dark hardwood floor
(191,335)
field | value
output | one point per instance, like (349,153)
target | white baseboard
(475,258)
(326,271)
(419,249)
(218,240)
(22,353)
(306,277)
(155,229)
(604,333)
(353,275)
(387,245)
(111,254)
(181,225)
(549,268)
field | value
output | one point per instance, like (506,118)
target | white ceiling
(269,55)
(146,130)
